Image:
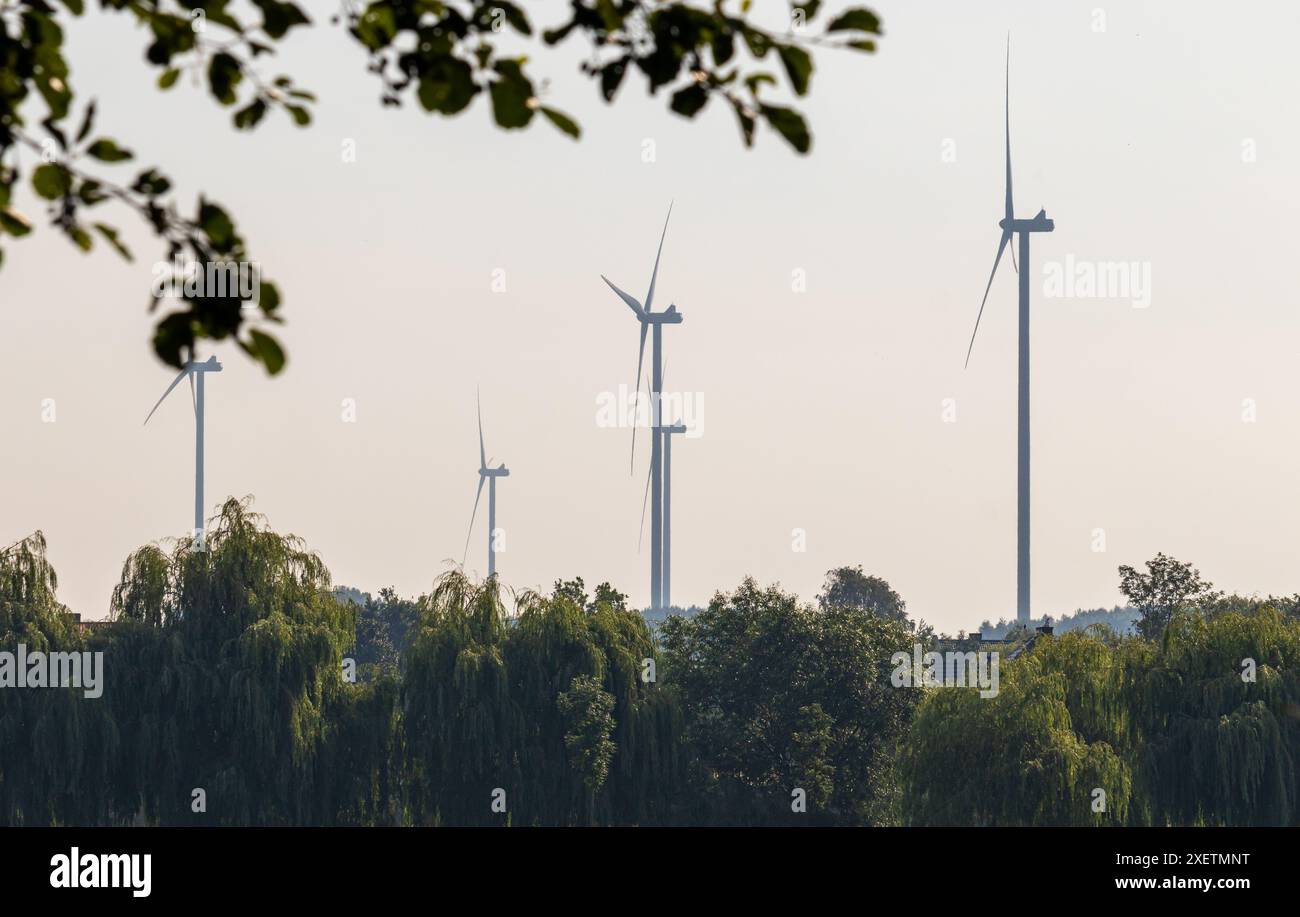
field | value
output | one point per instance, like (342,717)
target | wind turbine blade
(175,382)
(1011,210)
(194,398)
(482,453)
(631,303)
(645,500)
(1006,237)
(649,297)
(472,516)
(640,357)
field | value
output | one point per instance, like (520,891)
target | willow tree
(1201,727)
(1217,704)
(541,717)
(225,675)
(1039,752)
(55,743)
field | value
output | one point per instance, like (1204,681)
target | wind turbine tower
(1025,228)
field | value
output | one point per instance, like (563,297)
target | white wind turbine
(194,371)
(657,320)
(490,475)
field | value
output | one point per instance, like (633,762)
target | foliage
(384,627)
(1171,730)
(445,54)
(849,587)
(548,706)
(1167,587)
(777,695)
(224,673)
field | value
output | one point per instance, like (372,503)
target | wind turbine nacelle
(500,471)
(210,365)
(669,317)
(1040,223)
(674,428)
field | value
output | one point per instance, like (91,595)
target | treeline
(228,699)
(239,687)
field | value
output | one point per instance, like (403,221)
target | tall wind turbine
(195,371)
(1026,228)
(490,475)
(649,319)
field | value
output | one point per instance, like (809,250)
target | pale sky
(823,410)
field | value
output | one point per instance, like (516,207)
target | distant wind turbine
(657,320)
(193,370)
(490,475)
(1010,225)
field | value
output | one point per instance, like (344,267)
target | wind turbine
(194,369)
(649,319)
(1026,228)
(490,475)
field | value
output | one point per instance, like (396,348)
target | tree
(1031,755)
(777,695)
(548,706)
(850,587)
(1167,587)
(226,676)
(1197,728)
(442,54)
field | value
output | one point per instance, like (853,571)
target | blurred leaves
(445,53)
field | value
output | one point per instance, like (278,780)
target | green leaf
(268,297)
(51,181)
(248,116)
(512,95)
(690,100)
(563,122)
(217,225)
(106,150)
(376,27)
(83,239)
(224,74)
(301,116)
(862,20)
(87,122)
(798,66)
(110,235)
(263,347)
(14,222)
(168,78)
(791,126)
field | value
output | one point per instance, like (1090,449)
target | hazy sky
(823,410)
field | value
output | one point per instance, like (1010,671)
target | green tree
(777,695)
(224,672)
(547,704)
(56,745)
(1031,755)
(443,55)
(1168,586)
